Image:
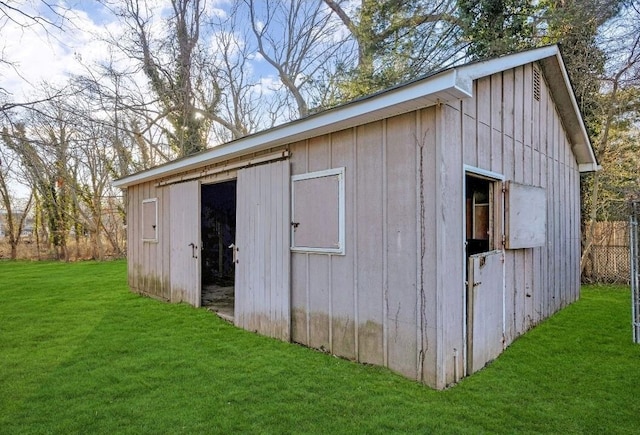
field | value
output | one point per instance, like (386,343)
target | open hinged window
(525,216)
(483,207)
(150,220)
(317,223)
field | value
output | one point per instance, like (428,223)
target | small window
(317,223)
(150,220)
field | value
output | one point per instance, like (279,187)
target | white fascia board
(585,144)
(442,87)
(589,167)
(485,68)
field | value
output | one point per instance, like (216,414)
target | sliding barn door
(185,242)
(485,320)
(262,293)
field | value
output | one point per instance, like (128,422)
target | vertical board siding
(262,296)
(502,129)
(497,120)
(133,256)
(339,302)
(397,296)
(512,102)
(369,243)
(401,243)
(469,129)
(343,303)
(536,151)
(147,262)
(319,158)
(449,239)
(299,263)
(163,273)
(185,242)
(485,309)
(428,302)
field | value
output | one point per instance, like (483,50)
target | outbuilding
(422,228)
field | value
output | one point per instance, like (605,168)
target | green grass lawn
(79,353)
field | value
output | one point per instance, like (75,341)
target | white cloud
(267,85)
(44,52)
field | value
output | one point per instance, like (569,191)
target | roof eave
(449,85)
(562,91)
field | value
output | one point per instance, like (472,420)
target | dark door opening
(478,215)
(218,232)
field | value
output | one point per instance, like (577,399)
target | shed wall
(397,296)
(504,129)
(364,304)
(148,262)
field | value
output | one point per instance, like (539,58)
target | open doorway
(218,232)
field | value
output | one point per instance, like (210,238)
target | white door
(262,293)
(485,318)
(185,242)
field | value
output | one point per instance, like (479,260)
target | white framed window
(318,212)
(150,220)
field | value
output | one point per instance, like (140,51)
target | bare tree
(42,15)
(608,192)
(43,148)
(115,100)
(229,70)
(177,64)
(301,41)
(14,215)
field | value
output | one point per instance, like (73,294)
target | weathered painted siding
(262,297)
(524,140)
(185,242)
(148,262)
(364,304)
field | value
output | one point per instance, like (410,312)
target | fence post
(634,247)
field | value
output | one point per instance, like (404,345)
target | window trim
(155,219)
(340,250)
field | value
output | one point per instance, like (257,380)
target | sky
(72,39)
(39,52)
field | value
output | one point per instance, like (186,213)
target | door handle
(193,250)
